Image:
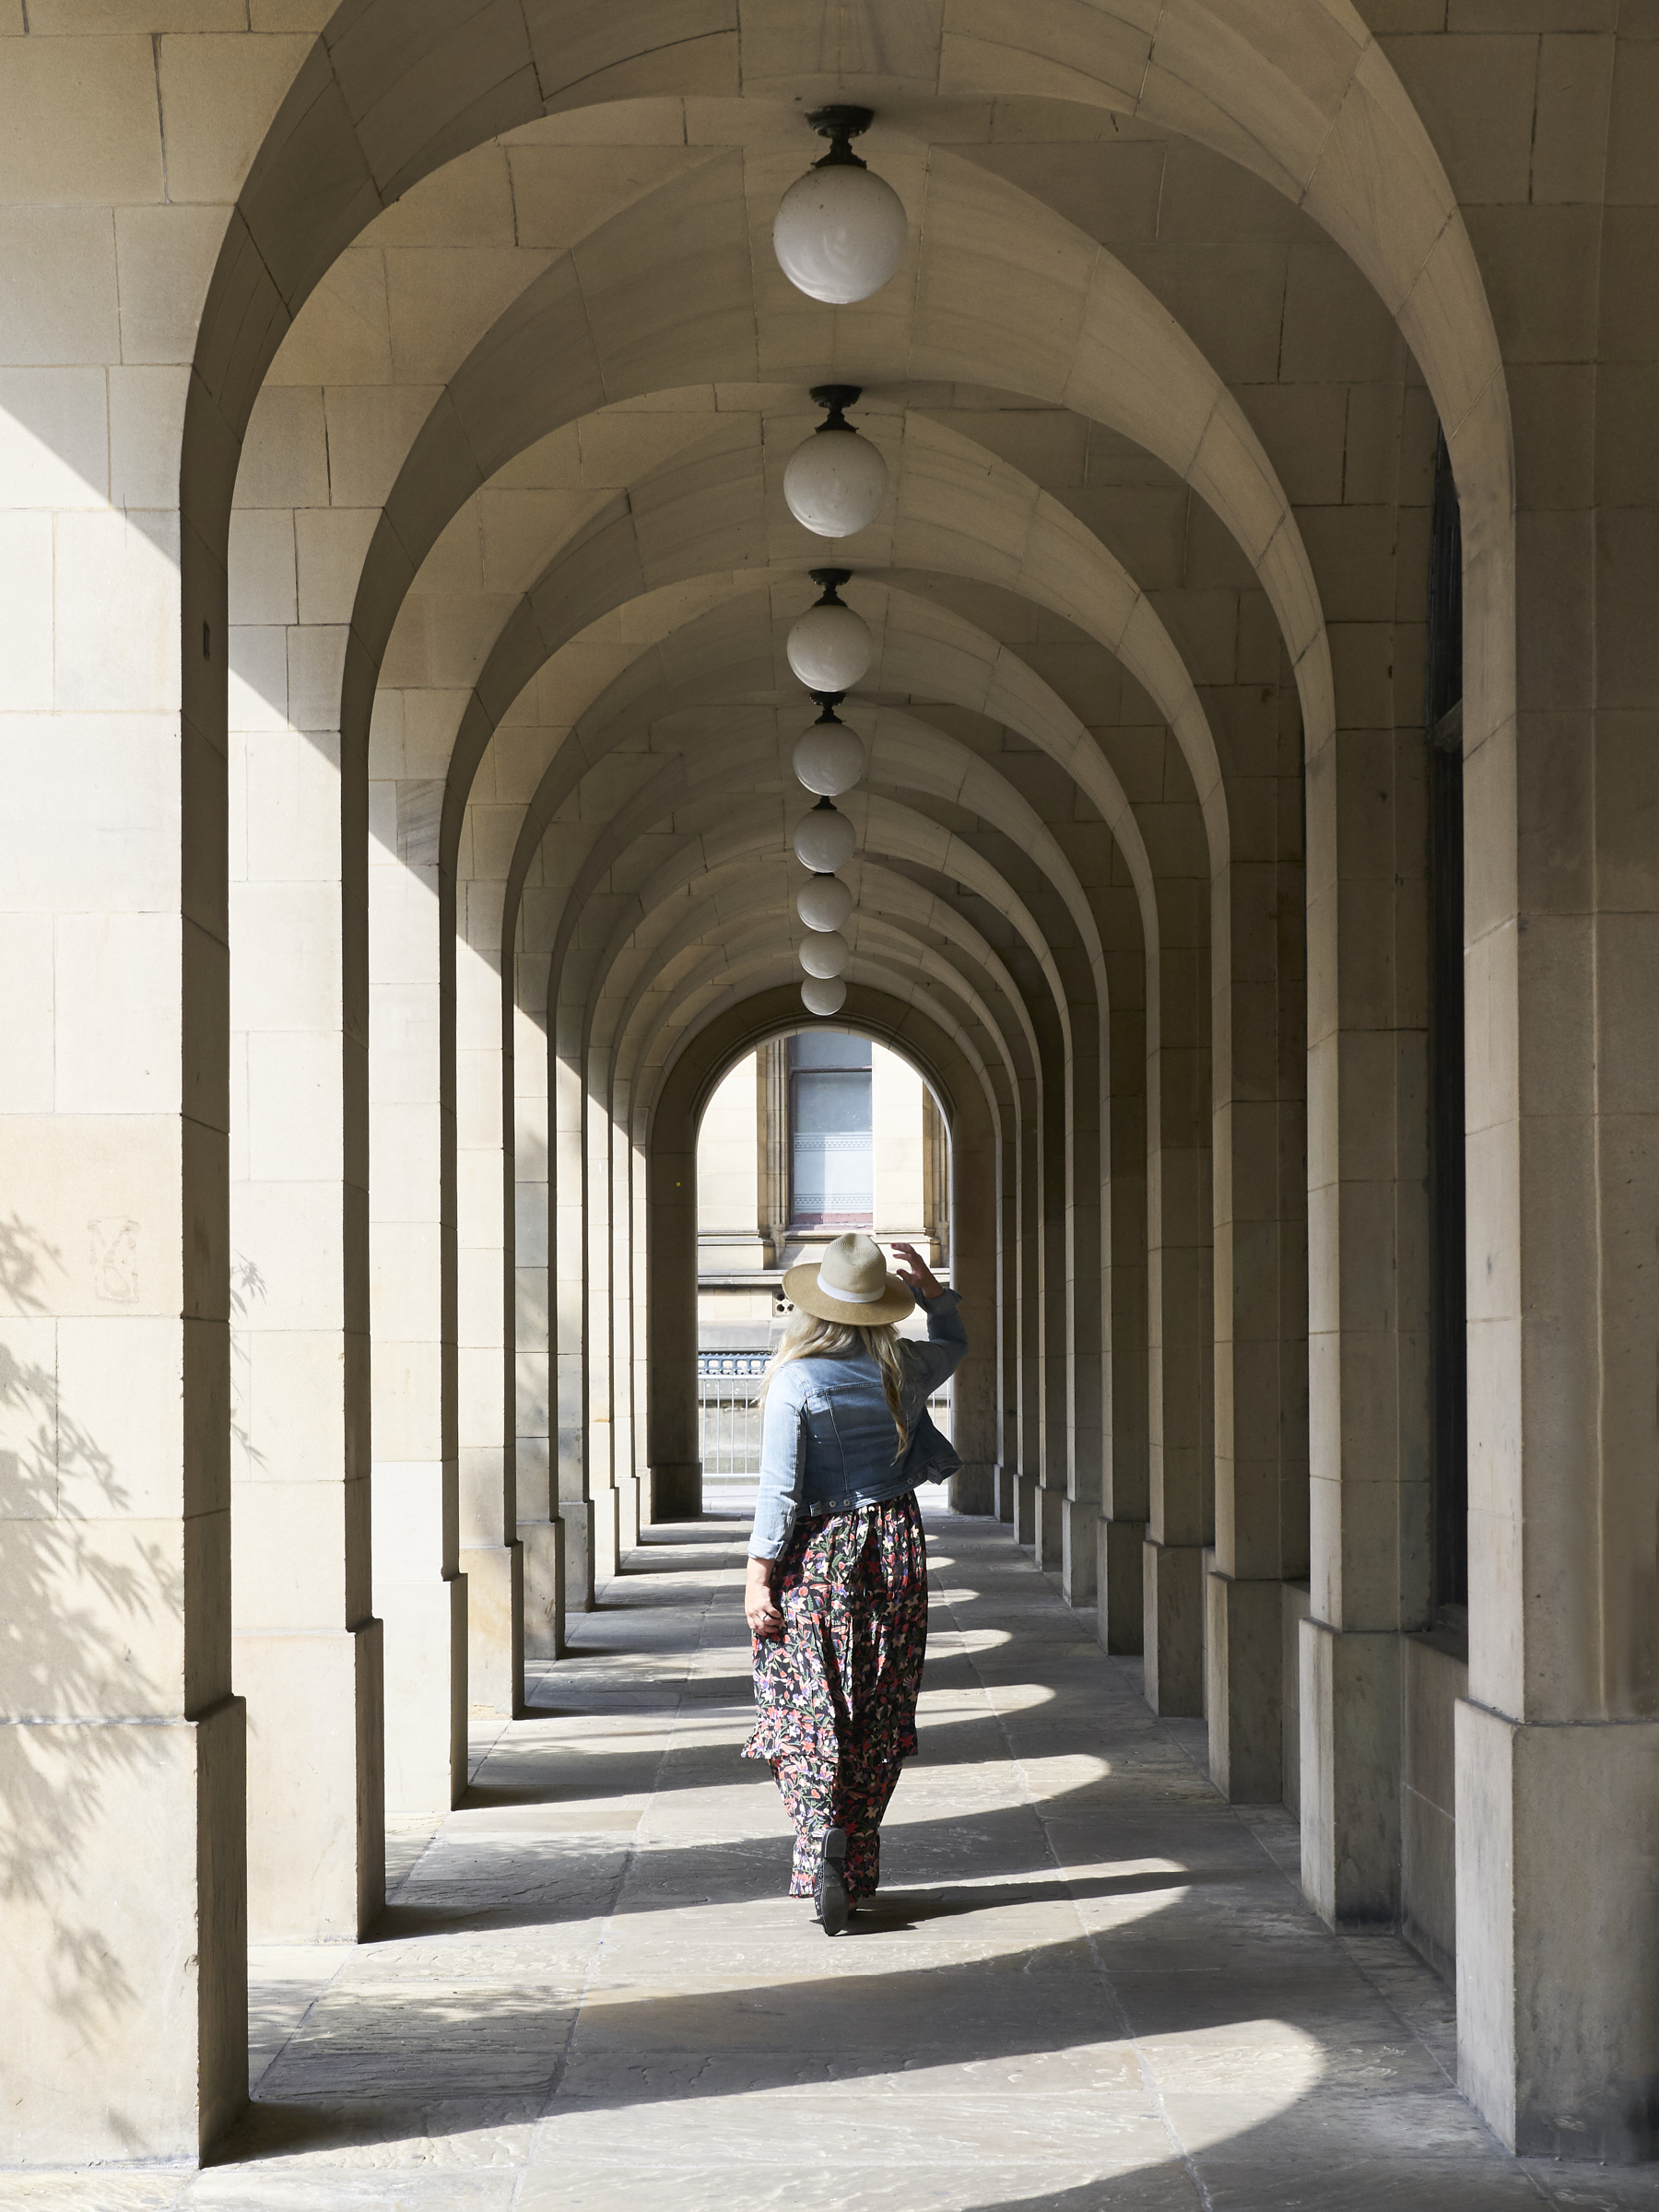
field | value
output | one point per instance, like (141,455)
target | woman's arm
(782,1459)
(947,1338)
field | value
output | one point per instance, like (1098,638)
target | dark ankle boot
(834,1908)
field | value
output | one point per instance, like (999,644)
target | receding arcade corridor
(1089,1984)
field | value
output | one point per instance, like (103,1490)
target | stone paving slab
(1087,1986)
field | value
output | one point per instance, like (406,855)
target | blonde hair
(808,1337)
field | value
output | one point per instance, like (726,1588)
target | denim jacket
(828,1443)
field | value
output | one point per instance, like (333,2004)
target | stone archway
(976,1214)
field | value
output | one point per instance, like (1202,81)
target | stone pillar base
(1048,1537)
(972,1489)
(495,1628)
(1350,1775)
(1078,1519)
(676,1489)
(316,1757)
(123,1954)
(1025,1511)
(1244,1690)
(1119,1585)
(1173,1627)
(134,2046)
(423,1633)
(1004,1483)
(541,1544)
(577,1517)
(1557,1930)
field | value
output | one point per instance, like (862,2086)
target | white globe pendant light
(824,903)
(836,480)
(840,232)
(824,840)
(825,953)
(830,758)
(829,646)
(821,997)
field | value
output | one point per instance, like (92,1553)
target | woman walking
(837,1589)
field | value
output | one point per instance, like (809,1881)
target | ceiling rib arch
(907,835)
(1310,102)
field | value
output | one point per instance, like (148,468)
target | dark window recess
(1448,1362)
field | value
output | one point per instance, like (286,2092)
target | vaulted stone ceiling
(515,472)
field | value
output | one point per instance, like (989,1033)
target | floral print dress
(835,1695)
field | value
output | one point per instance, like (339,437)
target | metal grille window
(728,1395)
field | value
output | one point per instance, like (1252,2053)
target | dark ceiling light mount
(841,125)
(837,399)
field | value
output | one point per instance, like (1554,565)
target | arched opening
(749,1152)
(815,1133)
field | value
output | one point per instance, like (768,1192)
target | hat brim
(801,1288)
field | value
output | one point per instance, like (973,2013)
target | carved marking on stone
(115,1259)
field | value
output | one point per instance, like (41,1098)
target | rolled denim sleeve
(782,1463)
(946,1340)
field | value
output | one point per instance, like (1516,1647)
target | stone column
(674,1465)
(1126,1497)
(1367,1299)
(420,1590)
(1004,1474)
(486,1430)
(1259,1063)
(1019,1147)
(976,1252)
(1180,1327)
(1029,1466)
(623,1309)
(1047,1536)
(307,1647)
(1558,1745)
(569,1324)
(540,1530)
(1087,1279)
(599,1434)
(639,1184)
(122,1944)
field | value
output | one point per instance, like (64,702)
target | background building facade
(815,1135)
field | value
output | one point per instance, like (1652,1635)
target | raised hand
(915,1272)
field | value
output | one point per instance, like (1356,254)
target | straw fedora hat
(850,1284)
